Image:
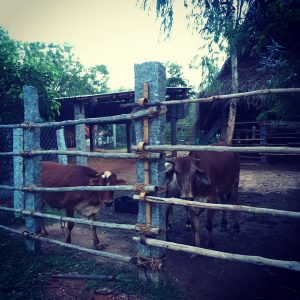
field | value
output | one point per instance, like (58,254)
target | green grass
(23,275)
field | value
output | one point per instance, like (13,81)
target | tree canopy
(175,77)
(262,31)
(52,69)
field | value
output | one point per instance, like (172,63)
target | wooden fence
(149,122)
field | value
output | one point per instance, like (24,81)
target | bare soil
(208,278)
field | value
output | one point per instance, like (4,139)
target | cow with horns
(211,177)
(86,203)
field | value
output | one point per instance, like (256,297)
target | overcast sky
(116,33)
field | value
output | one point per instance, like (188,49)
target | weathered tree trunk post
(173,120)
(80,134)
(233,102)
(154,74)
(128,136)
(92,137)
(33,165)
(61,145)
(18,146)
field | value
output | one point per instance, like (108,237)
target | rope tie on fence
(144,229)
(150,262)
(30,235)
(139,187)
(29,189)
(26,154)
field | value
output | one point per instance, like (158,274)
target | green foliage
(52,69)
(175,77)
(24,275)
(216,21)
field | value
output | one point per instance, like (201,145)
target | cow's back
(57,175)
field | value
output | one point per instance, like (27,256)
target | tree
(175,76)
(218,21)
(52,69)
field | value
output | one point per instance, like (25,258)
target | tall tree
(218,22)
(53,69)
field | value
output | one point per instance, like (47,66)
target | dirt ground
(208,278)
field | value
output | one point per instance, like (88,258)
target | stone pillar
(155,74)
(18,146)
(32,165)
(80,134)
(61,145)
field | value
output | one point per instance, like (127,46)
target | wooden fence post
(32,165)
(18,146)
(154,74)
(61,145)
(263,141)
(80,134)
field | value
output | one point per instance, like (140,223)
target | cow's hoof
(100,246)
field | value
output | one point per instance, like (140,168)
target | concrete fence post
(80,134)
(155,74)
(32,165)
(61,145)
(18,146)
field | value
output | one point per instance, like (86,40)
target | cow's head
(107,178)
(187,176)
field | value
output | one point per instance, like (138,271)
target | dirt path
(214,279)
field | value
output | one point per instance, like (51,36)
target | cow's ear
(203,177)
(94,181)
(169,169)
(121,182)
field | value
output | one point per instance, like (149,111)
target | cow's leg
(69,213)
(209,227)
(224,215)
(188,221)
(42,222)
(169,213)
(96,242)
(234,200)
(195,219)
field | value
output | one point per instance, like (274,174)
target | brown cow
(211,177)
(87,203)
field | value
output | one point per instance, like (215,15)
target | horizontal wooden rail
(112,119)
(84,153)
(29,235)
(77,220)
(264,92)
(138,188)
(241,208)
(262,149)
(258,260)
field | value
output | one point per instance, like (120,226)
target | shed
(110,104)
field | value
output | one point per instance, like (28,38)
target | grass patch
(23,275)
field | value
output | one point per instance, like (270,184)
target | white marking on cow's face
(106,174)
